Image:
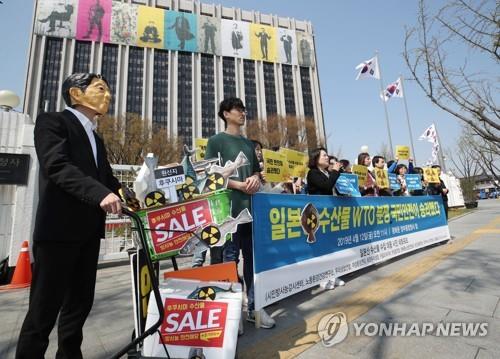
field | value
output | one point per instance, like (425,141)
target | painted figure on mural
(182,30)
(150,33)
(58,16)
(96,13)
(287,46)
(263,35)
(210,30)
(305,50)
(236,39)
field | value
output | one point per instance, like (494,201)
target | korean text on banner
(201,147)
(348,234)
(403,152)
(361,172)
(431,175)
(275,166)
(297,162)
(381,177)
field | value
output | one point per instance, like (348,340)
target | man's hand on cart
(111,204)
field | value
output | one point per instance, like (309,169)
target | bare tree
(467,95)
(464,158)
(128,139)
(289,131)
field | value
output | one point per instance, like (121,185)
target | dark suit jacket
(70,185)
(318,183)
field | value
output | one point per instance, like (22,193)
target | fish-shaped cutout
(186,163)
(145,181)
(309,218)
(230,168)
(213,235)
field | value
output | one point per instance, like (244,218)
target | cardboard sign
(413,182)
(393,181)
(275,166)
(381,177)
(403,152)
(201,147)
(361,172)
(348,184)
(169,177)
(297,162)
(431,175)
(223,272)
(194,323)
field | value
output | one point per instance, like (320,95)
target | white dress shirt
(89,127)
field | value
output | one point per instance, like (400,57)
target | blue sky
(346,33)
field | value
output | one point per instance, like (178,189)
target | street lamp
(8,100)
(364,148)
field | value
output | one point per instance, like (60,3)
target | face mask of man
(96,96)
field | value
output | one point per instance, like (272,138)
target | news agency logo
(333,329)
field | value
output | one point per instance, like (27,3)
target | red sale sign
(194,323)
(179,219)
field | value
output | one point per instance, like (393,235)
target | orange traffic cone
(22,273)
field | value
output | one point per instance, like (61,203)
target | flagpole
(385,105)
(408,120)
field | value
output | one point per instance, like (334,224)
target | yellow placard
(201,147)
(263,43)
(403,152)
(431,175)
(151,27)
(275,166)
(381,177)
(297,162)
(361,172)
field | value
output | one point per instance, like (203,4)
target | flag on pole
(393,90)
(430,134)
(368,69)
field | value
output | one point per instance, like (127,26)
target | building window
(250,89)
(207,96)
(109,71)
(288,90)
(229,77)
(184,98)
(82,56)
(50,75)
(270,89)
(160,89)
(307,99)
(135,80)
(306,92)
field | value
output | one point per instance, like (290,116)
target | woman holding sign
(319,179)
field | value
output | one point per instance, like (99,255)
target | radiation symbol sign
(154,199)
(312,221)
(206,293)
(210,235)
(188,189)
(215,181)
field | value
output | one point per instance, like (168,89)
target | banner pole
(408,120)
(385,106)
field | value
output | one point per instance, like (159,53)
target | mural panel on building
(209,35)
(56,19)
(124,23)
(263,43)
(94,20)
(150,27)
(235,38)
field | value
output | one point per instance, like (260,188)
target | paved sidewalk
(463,285)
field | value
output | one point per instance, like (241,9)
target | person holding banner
(439,189)
(401,170)
(227,145)
(319,179)
(368,189)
